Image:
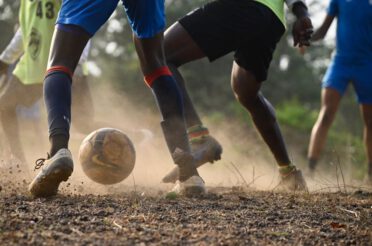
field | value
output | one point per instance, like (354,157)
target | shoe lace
(40,162)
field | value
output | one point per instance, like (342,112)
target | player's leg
(330,100)
(334,84)
(57,97)
(78,20)
(363,88)
(366,110)
(58,81)
(246,89)
(205,32)
(148,39)
(168,97)
(180,48)
(16,93)
(9,99)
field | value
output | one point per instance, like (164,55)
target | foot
(205,150)
(192,187)
(55,170)
(294,181)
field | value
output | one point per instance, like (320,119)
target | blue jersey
(354,29)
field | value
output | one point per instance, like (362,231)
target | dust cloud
(246,161)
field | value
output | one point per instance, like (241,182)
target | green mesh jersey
(37,19)
(277,6)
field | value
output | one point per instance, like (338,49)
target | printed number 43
(47,10)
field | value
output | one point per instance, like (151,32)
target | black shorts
(248,28)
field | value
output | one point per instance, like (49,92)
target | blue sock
(168,97)
(169,100)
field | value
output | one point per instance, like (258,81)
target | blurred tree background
(293,85)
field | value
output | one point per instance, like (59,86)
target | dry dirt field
(140,213)
(146,216)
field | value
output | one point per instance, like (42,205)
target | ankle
(186,172)
(196,133)
(285,169)
(58,142)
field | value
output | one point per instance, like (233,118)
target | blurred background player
(351,64)
(251,29)
(77,22)
(28,51)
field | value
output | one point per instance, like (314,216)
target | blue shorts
(146,17)
(340,74)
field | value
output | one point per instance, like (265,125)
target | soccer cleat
(204,150)
(55,170)
(207,149)
(293,181)
(192,187)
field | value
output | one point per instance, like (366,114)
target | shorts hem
(90,31)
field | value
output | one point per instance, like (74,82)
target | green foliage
(295,114)
(295,117)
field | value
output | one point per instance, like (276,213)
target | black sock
(58,142)
(57,98)
(169,100)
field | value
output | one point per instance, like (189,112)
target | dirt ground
(145,216)
(138,212)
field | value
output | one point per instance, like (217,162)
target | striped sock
(196,133)
(284,170)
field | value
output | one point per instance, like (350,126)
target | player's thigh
(330,100)
(179,46)
(77,22)
(244,83)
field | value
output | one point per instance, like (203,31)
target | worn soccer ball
(107,156)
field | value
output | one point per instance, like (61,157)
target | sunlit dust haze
(246,161)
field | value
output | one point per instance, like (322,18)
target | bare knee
(150,52)
(244,95)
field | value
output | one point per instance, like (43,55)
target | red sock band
(198,134)
(161,71)
(61,69)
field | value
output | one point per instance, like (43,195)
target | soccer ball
(107,156)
